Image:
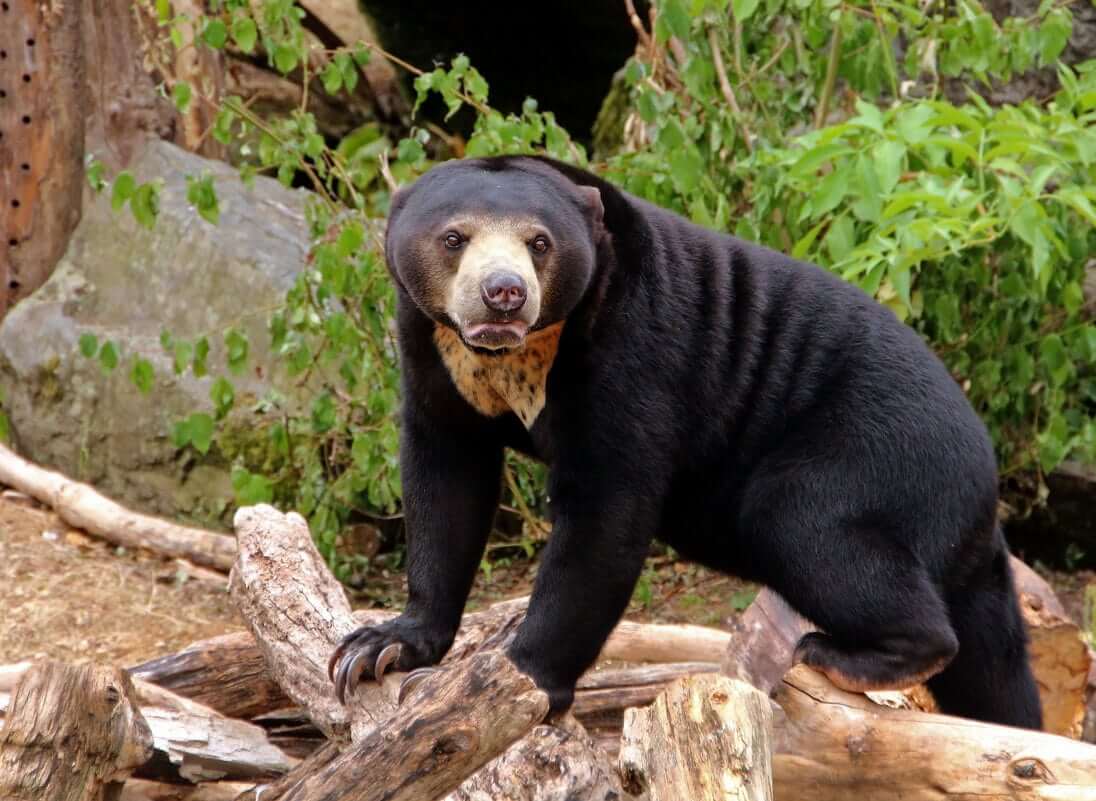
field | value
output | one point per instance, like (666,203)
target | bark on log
(662,642)
(71,734)
(457,721)
(298,611)
(553,763)
(452,725)
(196,744)
(144,790)
(706,738)
(831,745)
(82,507)
(190,742)
(42,105)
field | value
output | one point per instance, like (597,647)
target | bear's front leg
(603,527)
(451,479)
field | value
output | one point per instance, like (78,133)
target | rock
(124,283)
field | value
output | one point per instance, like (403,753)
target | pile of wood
(670,712)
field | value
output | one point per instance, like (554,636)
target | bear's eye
(453,240)
(540,244)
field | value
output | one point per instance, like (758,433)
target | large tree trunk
(42,107)
(71,734)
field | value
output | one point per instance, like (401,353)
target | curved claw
(336,655)
(389,654)
(349,673)
(411,681)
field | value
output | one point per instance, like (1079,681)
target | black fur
(760,415)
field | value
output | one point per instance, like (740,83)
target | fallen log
(145,790)
(229,673)
(190,742)
(71,733)
(194,743)
(831,745)
(82,507)
(554,762)
(448,728)
(706,738)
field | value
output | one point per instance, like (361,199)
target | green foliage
(804,129)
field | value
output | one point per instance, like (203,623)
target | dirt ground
(68,596)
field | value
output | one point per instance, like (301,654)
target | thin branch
(725,87)
(834,58)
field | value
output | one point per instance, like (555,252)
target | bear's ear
(591,198)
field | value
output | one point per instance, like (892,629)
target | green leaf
(201,431)
(5,428)
(323,413)
(145,204)
(201,353)
(744,9)
(830,192)
(332,78)
(124,185)
(180,94)
(89,345)
(236,350)
(94,174)
(215,33)
(163,10)
(108,356)
(251,488)
(285,58)
(184,351)
(223,396)
(888,158)
(244,33)
(201,194)
(142,375)
(673,19)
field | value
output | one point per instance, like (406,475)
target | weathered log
(663,642)
(82,507)
(831,745)
(298,612)
(194,743)
(190,742)
(145,790)
(229,673)
(450,727)
(71,733)
(457,721)
(602,693)
(553,763)
(764,638)
(706,738)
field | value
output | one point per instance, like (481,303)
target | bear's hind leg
(893,635)
(990,678)
(884,624)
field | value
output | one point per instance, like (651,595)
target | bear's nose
(503,291)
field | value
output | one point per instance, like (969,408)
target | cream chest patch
(513,381)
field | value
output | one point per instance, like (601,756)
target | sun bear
(756,413)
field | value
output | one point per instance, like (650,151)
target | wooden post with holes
(42,112)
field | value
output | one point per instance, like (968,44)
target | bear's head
(494,248)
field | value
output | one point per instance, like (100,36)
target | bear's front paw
(367,652)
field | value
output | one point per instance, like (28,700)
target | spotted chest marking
(513,381)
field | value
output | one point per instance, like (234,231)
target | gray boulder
(122,282)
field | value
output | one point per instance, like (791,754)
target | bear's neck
(514,381)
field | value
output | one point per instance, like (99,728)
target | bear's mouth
(495,336)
